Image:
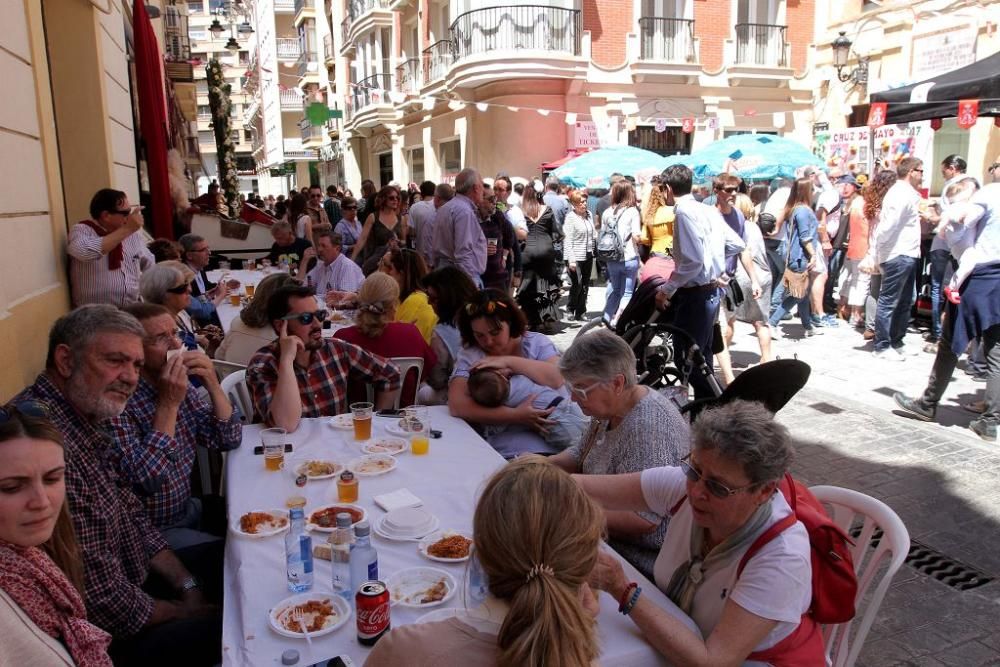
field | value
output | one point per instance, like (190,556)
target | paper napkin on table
(397,500)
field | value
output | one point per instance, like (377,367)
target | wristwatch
(189,584)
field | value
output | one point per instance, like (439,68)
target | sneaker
(930,347)
(914,407)
(786,317)
(980,377)
(817,321)
(775,332)
(813,331)
(830,321)
(868,334)
(888,354)
(976,407)
(907,351)
(987,430)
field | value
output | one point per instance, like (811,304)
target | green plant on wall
(221,108)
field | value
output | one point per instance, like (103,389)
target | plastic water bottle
(363,558)
(340,556)
(478,584)
(298,549)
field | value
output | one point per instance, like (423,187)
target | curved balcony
(533,40)
(363,15)
(370,104)
(437,60)
(408,77)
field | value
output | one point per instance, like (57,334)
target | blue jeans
(788,302)
(894,302)
(695,311)
(939,264)
(621,284)
(777,255)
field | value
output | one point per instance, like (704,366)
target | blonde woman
(539,610)
(377,332)
(657,232)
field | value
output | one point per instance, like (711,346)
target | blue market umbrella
(755,157)
(591,170)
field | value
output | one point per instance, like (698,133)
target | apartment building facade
(429,87)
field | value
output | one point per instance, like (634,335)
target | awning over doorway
(572,153)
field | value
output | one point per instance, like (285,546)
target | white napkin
(397,499)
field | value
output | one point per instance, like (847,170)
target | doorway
(385,169)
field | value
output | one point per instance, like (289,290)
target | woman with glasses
(385,225)
(42,616)
(407,268)
(720,500)
(494,335)
(252,330)
(169,284)
(632,428)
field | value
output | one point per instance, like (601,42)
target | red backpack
(834,583)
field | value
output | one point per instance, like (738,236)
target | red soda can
(372,611)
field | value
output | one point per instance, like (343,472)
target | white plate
(278,516)
(394,428)
(312,526)
(390,446)
(372,464)
(407,586)
(341,609)
(397,536)
(344,422)
(407,519)
(431,539)
(300,469)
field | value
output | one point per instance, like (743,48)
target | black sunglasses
(33,409)
(121,212)
(717,489)
(730,190)
(180,289)
(307,318)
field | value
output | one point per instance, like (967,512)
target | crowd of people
(110,553)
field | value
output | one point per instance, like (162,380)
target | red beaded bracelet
(625,596)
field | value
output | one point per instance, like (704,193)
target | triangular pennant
(542,112)
(482,106)
(571,119)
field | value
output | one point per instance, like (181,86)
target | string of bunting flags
(966,114)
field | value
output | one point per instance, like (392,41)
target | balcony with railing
(530,38)
(363,15)
(294,150)
(288,49)
(291,100)
(408,77)
(437,59)
(284,6)
(329,58)
(312,135)
(370,104)
(664,50)
(304,9)
(307,67)
(346,44)
(762,45)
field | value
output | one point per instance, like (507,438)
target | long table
(447,480)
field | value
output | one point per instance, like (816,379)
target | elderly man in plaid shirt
(166,418)
(301,374)
(94,360)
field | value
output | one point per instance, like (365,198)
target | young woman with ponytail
(539,611)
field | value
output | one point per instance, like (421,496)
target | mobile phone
(340,661)
(389,412)
(435,434)
(259,449)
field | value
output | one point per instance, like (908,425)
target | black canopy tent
(978,81)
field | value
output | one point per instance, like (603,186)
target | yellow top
(660,235)
(416,310)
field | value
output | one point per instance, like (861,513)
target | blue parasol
(754,157)
(591,170)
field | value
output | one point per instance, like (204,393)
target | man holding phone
(106,254)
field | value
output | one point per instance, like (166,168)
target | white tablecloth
(448,480)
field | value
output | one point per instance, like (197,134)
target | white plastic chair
(407,364)
(223,369)
(234,386)
(875,567)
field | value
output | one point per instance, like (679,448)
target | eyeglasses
(730,190)
(920,170)
(580,393)
(205,249)
(487,307)
(165,338)
(119,211)
(180,289)
(717,489)
(34,409)
(307,318)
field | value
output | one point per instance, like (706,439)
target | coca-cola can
(372,611)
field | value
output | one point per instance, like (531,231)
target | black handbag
(734,295)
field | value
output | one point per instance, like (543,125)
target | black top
(292,253)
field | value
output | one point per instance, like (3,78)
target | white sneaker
(888,354)
(775,333)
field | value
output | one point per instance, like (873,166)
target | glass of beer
(249,288)
(234,298)
(362,413)
(418,425)
(273,440)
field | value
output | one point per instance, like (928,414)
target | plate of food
(372,464)
(261,523)
(320,614)
(318,469)
(397,427)
(420,587)
(390,446)
(344,422)
(448,546)
(324,518)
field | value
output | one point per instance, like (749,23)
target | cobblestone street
(939,478)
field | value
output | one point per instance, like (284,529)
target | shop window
(451,160)
(671,141)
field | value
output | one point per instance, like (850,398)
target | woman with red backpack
(736,558)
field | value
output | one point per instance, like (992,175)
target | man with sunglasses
(349,226)
(106,255)
(314,207)
(137,588)
(301,374)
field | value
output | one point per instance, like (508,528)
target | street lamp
(232,12)
(841,53)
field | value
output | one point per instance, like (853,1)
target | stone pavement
(940,478)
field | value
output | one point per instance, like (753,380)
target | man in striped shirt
(106,253)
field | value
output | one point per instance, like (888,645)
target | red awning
(572,153)
(153,119)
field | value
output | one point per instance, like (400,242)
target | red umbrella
(153,118)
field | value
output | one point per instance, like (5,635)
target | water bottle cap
(362,529)
(343,520)
(295,502)
(290,657)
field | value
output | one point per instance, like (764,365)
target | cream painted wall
(118,104)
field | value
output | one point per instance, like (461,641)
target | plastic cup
(234,298)
(273,440)
(362,413)
(223,266)
(417,421)
(250,288)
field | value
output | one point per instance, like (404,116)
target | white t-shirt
(776,582)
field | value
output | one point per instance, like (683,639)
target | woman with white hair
(632,428)
(169,284)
